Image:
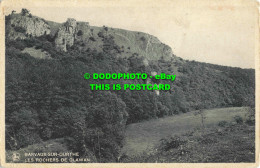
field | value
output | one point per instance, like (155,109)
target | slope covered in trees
(49,98)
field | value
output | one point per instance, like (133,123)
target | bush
(250,122)
(172,143)
(250,117)
(101,34)
(16,44)
(238,119)
(80,33)
(26,137)
(92,39)
(25,12)
(20,29)
(222,123)
(142,38)
(38,47)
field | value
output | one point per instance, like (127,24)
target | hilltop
(80,34)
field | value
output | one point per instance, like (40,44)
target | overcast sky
(219,33)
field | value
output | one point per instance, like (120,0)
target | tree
(101,128)
(106,29)
(25,12)
(203,117)
(23,129)
(80,33)
(20,29)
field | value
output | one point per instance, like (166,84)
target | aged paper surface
(46,121)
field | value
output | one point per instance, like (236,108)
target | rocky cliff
(23,26)
(82,36)
(66,34)
(125,43)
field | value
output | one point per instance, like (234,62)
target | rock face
(128,42)
(82,36)
(31,25)
(143,44)
(66,34)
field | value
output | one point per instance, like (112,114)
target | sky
(218,32)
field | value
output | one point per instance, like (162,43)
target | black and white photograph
(129,81)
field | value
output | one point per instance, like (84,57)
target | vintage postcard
(129,83)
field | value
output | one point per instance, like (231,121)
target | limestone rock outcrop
(83,37)
(31,26)
(66,34)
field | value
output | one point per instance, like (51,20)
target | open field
(145,135)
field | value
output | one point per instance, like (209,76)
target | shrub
(38,46)
(80,33)
(26,137)
(172,143)
(105,28)
(222,123)
(142,38)
(250,117)
(16,44)
(20,29)
(25,12)
(101,34)
(92,39)
(238,119)
(250,122)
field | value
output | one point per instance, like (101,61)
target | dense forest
(49,98)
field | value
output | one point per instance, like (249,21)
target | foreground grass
(231,143)
(143,137)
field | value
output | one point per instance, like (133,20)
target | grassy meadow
(142,137)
